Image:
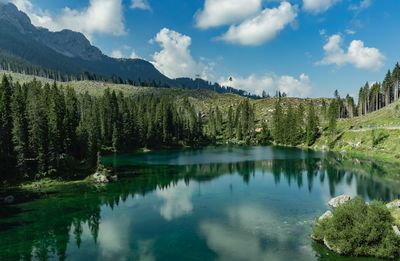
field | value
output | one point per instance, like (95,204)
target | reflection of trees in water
(45,231)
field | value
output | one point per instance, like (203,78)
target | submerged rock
(331,247)
(9,199)
(340,200)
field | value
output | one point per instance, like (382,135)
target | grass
(376,135)
(203,100)
(48,184)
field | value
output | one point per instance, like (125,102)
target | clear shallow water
(254,203)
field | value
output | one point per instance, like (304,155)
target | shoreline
(48,183)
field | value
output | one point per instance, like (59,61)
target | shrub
(358,229)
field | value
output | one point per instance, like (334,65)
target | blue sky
(306,48)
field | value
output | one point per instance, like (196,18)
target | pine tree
(265,135)
(56,112)
(71,123)
(311,125)
(396,81)
(39,127)
(332,114)
(6,124)
(299,125)
(218,121)
(230,123)
(20,128)
(278,122)
(387,88)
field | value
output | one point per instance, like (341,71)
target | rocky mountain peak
(66,42)
(9,13)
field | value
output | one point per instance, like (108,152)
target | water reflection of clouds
(252,232)
(177,200)
(113,242)
(113,238)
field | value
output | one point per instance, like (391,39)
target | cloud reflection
(252,232)
(177,200)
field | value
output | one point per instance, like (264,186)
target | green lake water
(224,203)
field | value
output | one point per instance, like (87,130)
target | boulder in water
(328,214)
(9,199)
(336,202)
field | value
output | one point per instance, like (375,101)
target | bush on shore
(359,229)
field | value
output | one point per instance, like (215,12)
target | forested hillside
(52,129)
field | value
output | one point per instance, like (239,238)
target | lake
(217,203)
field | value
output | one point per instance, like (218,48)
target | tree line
(17,65)
(375,96)
(47,130)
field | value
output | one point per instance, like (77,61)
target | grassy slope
(202,99)
(374,135)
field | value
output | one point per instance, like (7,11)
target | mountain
(67,55)
(65,51)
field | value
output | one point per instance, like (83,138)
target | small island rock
(100,178)
(335,202)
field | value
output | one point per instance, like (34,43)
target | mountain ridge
(32,49)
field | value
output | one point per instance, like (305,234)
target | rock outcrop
(100,178)
(396,230)
(328,214)
(337,201)
(393,205)
(103,177)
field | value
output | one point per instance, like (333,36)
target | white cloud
(134,55)
(318,6)
(364,4)
(117,54)
(298,87)
(100,16)
(263,27)
(175,59)
(357,54)
(124,52)
(140,4)
(223,12)
(350,31)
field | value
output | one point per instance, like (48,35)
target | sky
(306,48)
